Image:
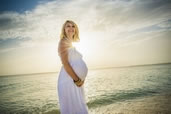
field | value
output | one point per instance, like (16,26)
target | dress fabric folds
(72,98)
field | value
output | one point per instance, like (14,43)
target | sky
(113,33)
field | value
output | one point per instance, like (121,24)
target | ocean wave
(110,98)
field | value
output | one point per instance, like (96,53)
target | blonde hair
(76,35)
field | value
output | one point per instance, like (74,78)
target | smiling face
(69,30)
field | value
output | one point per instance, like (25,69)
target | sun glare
(83,46)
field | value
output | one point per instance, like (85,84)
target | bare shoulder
(63,46)
(63,43)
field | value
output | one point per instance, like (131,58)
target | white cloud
(111,18)
(114,32)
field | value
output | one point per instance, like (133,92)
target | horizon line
(97,68)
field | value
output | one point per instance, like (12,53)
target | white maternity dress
(71,97)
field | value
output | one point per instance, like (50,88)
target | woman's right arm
(62,49)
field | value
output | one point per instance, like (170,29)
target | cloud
(115,19)
(118,32)
(131,15)
(165,24)
(12,43)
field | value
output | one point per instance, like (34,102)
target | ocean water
(127,87)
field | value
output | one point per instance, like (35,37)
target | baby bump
(80,68)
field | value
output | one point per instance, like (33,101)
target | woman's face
(69,29)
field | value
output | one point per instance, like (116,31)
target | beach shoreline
(157,104)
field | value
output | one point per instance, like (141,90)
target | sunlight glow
(83,46)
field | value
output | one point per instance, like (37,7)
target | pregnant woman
(72,74)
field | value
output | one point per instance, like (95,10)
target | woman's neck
(69,41)
(70,37)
